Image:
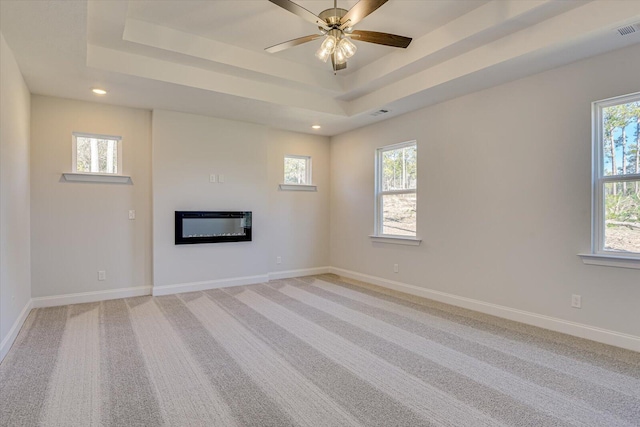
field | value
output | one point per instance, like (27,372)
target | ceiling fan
(336,25)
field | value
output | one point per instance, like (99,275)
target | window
(100,154)
(616,177)
(396,184)
(297,170)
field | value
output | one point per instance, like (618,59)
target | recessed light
(99,91)
(315,127)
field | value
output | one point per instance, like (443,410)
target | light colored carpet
(314,351)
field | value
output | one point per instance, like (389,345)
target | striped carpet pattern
(313,351)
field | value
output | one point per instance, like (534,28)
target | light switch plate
(132,214)
(221,178)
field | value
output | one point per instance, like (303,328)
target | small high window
(100,154)
(396,190)
(616,176)
(297,170)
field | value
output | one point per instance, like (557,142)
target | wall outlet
(278,260)
(102,275)
(132,214)
(212,178)
(395,268)
(576,301)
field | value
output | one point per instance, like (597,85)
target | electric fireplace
(212,227)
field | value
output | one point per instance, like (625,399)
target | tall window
(396,185)
(97,153)
(297,170)
(616,176)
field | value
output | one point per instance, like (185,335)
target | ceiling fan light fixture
(336,26)
(329,43)
(327,48)
(347,46)
(323,55)
(340,56)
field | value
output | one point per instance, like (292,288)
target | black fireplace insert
(212,227)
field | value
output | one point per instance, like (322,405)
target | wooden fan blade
(381,38)
(301,12)
(358,12)
(337,67)
(292,43)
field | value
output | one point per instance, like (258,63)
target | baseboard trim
(605,336)
(276,275)
(8,341)
(208,284)
(94,296)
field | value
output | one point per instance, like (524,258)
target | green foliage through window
(96,155)
(297,170)
(397,169)
(621,169)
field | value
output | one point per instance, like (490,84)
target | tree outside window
(96,154)
(396,190)
(617,175)
(297,170)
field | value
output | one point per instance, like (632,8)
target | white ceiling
(207,57)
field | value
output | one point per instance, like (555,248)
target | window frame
(599,180)
(74,152)
(308,166)
(378,234)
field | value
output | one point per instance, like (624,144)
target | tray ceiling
(207,57)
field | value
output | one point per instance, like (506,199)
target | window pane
(295,170)
(399,169)
(96,155)
(399,214)
(622,216)
(621,126)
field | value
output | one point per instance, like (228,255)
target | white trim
(298,187)
(598,179)
(307,168)
(96,135)
(396,240)
(74,148)
(378,216)
(581,330)
(208,284)
(97,177)
(611,260)
(83,297)
(275,275)
(8,341)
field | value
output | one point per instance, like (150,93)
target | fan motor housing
(332,16)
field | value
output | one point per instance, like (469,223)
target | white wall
(186,150)
(503,196)
(15,276)
(299,220)
(80,228)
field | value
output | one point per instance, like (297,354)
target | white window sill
(298,187)
(611,260)
(97,177)
(396,240)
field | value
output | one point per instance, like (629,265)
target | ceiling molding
(171,72)
(493,16)
(157,36)
(576,25)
